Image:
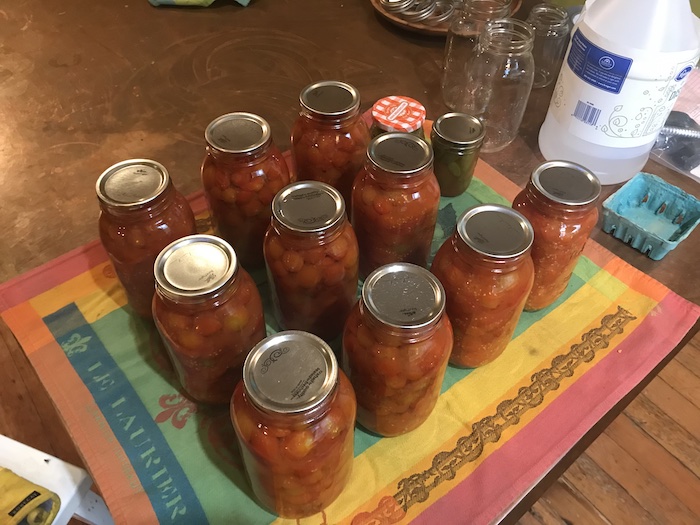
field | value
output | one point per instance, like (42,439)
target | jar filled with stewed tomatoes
(329,138)
(241,173)
(396,345)
(208,313)
(395,202)
(397,114)
(560,201)
(311,256)
(141,212)
(487,272)
(294,417)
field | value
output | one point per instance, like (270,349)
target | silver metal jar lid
(330,98)
(291,372)
(238,133)
(132,184)
(404,295)
(496,231)
(195,268)
(458,131)
(566,183)
(308,207)
(400,153)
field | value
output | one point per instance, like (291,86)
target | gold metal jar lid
(400,153)
(238,133)
(458,131)
(195,268)
(495,231)
(330,98)
(291,372)
(132,184)
(308,207)
(566,183)
(404,295)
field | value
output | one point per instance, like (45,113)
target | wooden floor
(645,468)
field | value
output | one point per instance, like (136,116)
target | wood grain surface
(84,84)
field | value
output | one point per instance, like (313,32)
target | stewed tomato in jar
(329,137)
(209,314)
(294,417)
(560,201)
(241,173)
(487,271)
(396,345)
(311,256)
(141,212)
(395,202)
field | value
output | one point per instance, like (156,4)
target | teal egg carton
(651,215)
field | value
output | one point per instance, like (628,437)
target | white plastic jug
(623,70)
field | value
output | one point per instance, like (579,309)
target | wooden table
(85,84)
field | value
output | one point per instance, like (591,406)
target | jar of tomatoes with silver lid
(487,271)
(294,417)
(208,313)
(395,202)
(311,256)
(560,201)
(396,345)
(397,114)
(456,140)
(329,138)
(141,212)
(241,173)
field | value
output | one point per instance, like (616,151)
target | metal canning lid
(195,267)
(238,133)
(400,153)
(396,5)
(404,295)
(330,98)
(496,231)
(398,113)
(458,131)
(308,206)
(132,184)
(290,372)
(566,183)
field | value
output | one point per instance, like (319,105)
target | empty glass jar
(552,28)
(461,42)
(500,80)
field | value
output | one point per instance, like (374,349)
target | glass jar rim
(507,35)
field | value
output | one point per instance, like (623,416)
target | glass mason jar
(241,173)
(329,138)
(208,313)
(141,212)
(552,29)
(462,37)
(560,201)
(500,79)
(294,417)
(456,140)
(396,114)
(487,272)
(311,256)
(395,202)
(396,345)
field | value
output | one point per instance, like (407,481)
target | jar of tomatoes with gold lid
(294,417)
(241,173)
(487,272)
(395,202)
(141,212)
(208,313)
(311,256)
(329,138)
(396,345)
(560,201)
(397,114)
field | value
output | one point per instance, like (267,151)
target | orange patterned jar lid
(398,113)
